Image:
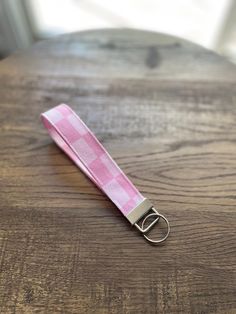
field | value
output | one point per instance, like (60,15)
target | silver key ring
(156,214)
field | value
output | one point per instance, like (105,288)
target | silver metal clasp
(141,214)
(145,230)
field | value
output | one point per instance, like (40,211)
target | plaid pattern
(81,145)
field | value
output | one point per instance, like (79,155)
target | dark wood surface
(166,111)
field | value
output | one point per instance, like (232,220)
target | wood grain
(166,111)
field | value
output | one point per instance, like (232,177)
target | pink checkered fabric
(80,144)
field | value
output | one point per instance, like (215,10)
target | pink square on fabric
(94,144)
(100,172)
(85,152)
(116,193)
(64,110)
(131,204)
(47,124)
(68,130)
(73,120)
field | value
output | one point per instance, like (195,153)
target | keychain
(72,135)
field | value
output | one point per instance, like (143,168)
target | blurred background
(209,23)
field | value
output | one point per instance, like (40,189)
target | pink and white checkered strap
(80,144)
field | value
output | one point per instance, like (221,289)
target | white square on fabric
(78,126)
(116,192)
(54,115)
(85,151)
(114,171)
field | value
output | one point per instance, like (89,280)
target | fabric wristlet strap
(72,135)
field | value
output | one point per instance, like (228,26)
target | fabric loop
(72,135)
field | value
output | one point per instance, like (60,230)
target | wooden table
(166,111)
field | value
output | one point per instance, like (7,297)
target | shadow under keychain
(80,144)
